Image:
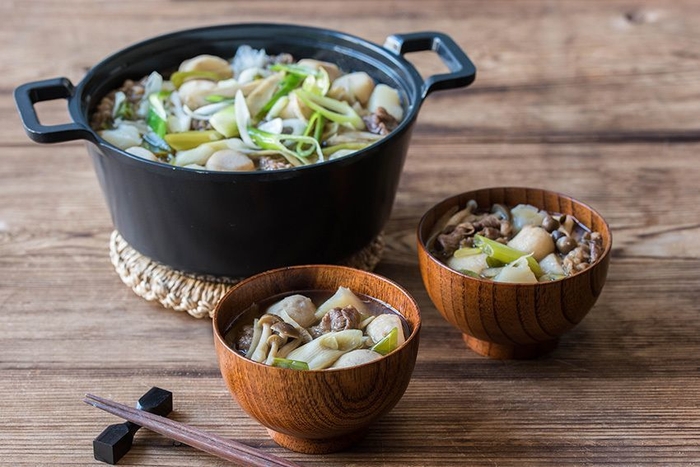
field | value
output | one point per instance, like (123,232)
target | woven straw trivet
(196,294)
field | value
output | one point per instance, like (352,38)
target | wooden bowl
(506,320)
(318,411)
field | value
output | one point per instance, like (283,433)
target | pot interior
(165,53)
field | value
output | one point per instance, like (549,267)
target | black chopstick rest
(116,440)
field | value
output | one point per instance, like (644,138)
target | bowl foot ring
(197,294)
(508,351)
(317,446)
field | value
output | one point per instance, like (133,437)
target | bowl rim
(422,247)
(414,334)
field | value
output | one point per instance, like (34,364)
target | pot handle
(462,70)
(29,94)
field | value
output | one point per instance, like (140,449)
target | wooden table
(597,99)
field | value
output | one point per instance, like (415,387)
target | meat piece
(338,319)
(274,163)
(380,122)
(244,339)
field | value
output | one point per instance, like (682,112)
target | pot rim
(388,59)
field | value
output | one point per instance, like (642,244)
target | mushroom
(356,357)
(287,331)
(275,341)
(261,349)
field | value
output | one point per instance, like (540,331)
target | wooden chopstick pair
(196,438)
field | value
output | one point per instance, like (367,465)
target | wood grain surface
(596,99)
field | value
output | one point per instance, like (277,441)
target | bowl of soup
(233,149)
(317,353)
(513,268)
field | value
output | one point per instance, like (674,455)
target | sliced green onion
(334,110)
(156,118)
(224,121)
(504,253)
(291,364)
(462,252)
(318,83)
(156,144)
(315,126)
(191,139)
(387,343)
(287,85)
(298,70)
(272,141)
(216,98)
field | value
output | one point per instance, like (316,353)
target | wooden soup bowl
(318,411)
(507,320)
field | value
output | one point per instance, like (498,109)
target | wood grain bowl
(506,320)
(319,411)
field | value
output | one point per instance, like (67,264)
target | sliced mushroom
(275,341)
(229,160)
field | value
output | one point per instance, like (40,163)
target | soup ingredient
(521,244)
(284,114)
(356,357)
(294,329)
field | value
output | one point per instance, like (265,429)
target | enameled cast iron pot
(237,224)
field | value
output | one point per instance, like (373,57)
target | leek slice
(504,253)
(334,110)
(191,139)
(291,364)
(388,342)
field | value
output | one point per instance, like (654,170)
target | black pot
(238,224)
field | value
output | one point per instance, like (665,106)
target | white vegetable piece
(342,298)
(517,271)
(142,153)
(210,63)
(387,97)
(533,239)
(382,325)
(473,263)
(323,351)
(300,308)
(192,93)
(525,214)
(229,160)
(124,136)
(551,264)
(356,357)
(353,87)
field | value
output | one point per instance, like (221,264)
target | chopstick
(186,434)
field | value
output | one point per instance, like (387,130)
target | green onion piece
(462,252)
(355,146)
(298,70)
(272,141)
(387,343)
(156,118)
(216,98)
(504,253)
(315,126)
(318,83)
(291,364)
(469,273)
(180,77)
(287,85)
(191,139)
(334,110)
(224,121)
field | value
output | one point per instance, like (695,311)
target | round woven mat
(196,294)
